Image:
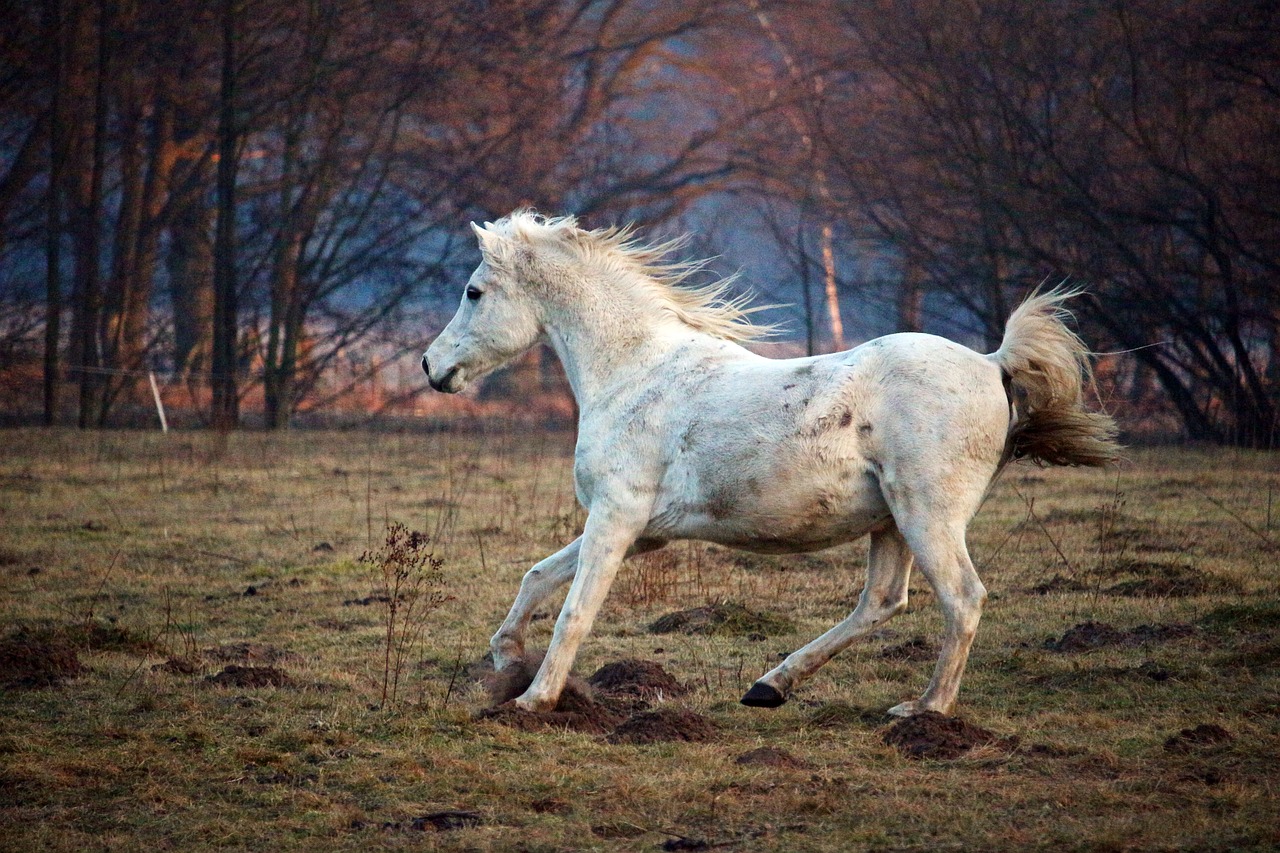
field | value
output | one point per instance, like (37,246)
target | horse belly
(776,516)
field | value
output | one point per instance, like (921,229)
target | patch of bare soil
(665,724)
(1168,580)
(934,736)
(29,662)
(1058,583)
(726,618)
(251,653)
(639,679)
(1203,735)
(578,710)
(772,756)
(444,821)
(1096,635)
(915,649)
(251,676)
(178,666)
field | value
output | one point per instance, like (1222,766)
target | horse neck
(601,338)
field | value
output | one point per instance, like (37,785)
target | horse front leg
(606,540)
(539,583)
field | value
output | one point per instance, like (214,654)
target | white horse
(684,434)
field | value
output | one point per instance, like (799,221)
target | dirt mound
(29,662)
(915,649)
(251,653)
(771,756)
(178,666)
(1205,734)
(251,676)
(644,679)
(577,709)
(934,736)
(1169,580)
(573,712)
(721,619)
(1058,583)
(665,724)
(1095,635)
(515,679)
(435,822)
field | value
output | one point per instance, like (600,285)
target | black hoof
(763,696)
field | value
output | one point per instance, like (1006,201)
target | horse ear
(488,240)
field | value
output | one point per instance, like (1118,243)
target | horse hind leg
(943,558)
(883,597)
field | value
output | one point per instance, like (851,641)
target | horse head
(498,318)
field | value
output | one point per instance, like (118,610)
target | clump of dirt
(1095,635)
(251,653)
(1168,580)
(915,649)
(577,709)
(722,619)
(575,713)
(665,724)
(178,666)
(1058,583)
(772,756)
(251,676)
(1086,636)
(934,736)
(1203,735)
(444,821)
(29,662)
(642,679)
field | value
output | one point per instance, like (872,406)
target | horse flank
(644,271)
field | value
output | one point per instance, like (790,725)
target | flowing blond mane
(645,272)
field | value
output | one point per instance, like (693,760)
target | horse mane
(644,271)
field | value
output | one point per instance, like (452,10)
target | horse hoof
(762,695)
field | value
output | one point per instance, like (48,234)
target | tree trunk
(226,403)
(53,222)
(190,262)
(86,223)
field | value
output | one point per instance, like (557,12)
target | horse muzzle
(444,383)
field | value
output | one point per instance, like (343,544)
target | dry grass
(198,554)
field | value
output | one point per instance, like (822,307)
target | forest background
(256,211)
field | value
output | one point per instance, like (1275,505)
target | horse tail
(1046,368)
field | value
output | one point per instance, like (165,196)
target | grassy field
(139,571)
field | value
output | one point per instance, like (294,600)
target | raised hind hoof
(762,695)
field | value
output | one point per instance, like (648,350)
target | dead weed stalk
(409,583)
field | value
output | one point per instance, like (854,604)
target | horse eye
(474,293)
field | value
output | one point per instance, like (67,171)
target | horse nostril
(425,367)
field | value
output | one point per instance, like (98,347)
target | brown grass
(128,550)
